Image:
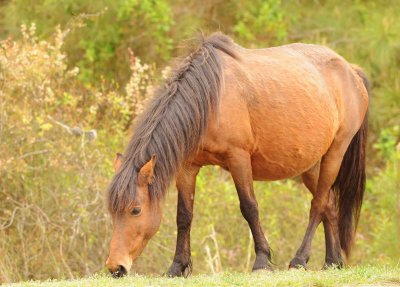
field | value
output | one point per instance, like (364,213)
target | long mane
(174,122)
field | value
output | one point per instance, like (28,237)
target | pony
(261,114)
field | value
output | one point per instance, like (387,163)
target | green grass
(357,276)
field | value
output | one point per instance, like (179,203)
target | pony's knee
(249,210)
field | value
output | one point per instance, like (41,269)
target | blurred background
(73,76)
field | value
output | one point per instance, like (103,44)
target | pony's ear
(118,161)
(146,173)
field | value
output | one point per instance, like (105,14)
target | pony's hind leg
(240,168)
(329,169)
(185,183)
(333,255)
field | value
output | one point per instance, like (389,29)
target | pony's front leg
(185,183)
(240,167)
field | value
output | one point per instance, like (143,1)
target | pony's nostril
(120,272)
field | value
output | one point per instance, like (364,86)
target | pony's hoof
(333,265)
(178,270)
(297,263)
(262,263)
(262,269)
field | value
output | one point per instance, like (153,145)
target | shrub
(52,175)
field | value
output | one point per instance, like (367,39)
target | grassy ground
(359,276)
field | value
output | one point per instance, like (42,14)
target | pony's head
(136,224)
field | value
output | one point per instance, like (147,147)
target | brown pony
(263,114)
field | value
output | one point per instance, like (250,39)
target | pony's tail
(349,185)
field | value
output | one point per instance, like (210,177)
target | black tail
(350,182)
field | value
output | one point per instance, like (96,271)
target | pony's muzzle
(118,272)
(116,269)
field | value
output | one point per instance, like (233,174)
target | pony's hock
(261,114)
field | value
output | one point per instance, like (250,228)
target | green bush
(53,168)
(99,48)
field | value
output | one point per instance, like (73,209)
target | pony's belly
(290,138)
(277,167)
(289,151)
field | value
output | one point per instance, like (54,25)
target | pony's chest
(206,157)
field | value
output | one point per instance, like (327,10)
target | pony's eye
(136,211)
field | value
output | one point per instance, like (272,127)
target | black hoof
(262,263)
(338,264)
(298,263)
(179,270)
(262,269)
